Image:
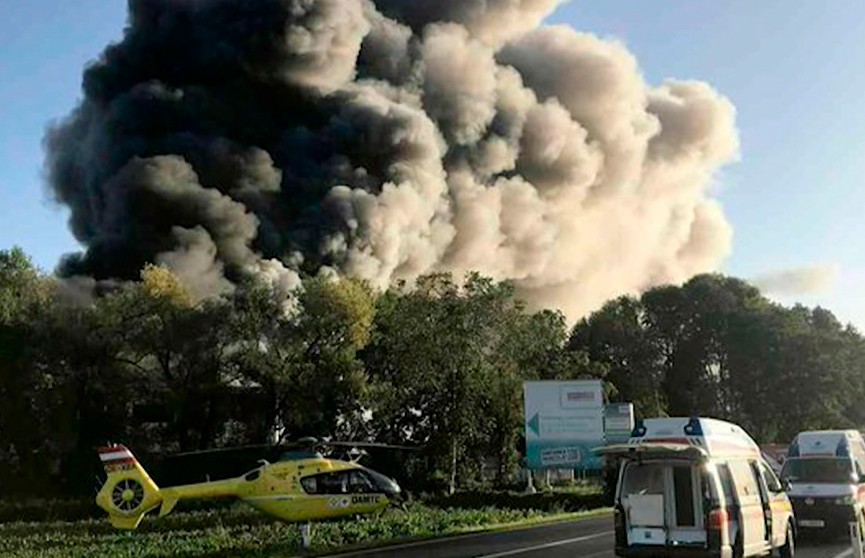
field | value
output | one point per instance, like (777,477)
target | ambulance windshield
(818,469)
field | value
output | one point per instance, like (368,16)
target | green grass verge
(241,532)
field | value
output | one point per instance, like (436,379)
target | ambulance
(698,487)
(826,471)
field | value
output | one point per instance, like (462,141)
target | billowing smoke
(388,139)
(798,281)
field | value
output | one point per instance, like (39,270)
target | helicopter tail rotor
(129,492)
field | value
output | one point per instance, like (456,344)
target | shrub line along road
(587,538)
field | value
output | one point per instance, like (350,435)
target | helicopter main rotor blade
(224,450)
(307,442)
(380,445)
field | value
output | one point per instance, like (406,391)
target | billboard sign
(564,422)
(618,422)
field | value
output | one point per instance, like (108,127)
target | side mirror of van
(786,485)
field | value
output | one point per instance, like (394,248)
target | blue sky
(793,70)
(44,46)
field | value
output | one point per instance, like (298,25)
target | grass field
(238,531)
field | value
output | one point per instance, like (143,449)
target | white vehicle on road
(826,471)
(697,487)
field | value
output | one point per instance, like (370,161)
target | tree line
(438,365)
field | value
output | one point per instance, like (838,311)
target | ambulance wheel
(789,548)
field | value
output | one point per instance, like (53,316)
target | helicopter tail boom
(201,491)
(129,492)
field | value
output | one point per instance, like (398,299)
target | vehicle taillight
(719,519)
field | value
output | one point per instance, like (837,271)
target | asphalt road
(590,538)
(834,549)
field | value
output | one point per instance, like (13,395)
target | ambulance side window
(772,482)
(760,476)
(726,484)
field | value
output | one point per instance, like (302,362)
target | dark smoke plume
(387,139)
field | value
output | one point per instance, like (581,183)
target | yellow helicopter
(301,486)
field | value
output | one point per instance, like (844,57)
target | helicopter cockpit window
(342,482)
(310,485)
(328,483)
(359,482)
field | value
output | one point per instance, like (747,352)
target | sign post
(564,422)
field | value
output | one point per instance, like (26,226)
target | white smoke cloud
(798,281)
(195,263)
(320,47)
(493,22)
(610,176)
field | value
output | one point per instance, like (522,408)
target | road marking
(427,542)
(415,544)
(547,545)
(845,554)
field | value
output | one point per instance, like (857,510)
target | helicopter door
(344,492)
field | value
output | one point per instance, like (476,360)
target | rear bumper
(647,551)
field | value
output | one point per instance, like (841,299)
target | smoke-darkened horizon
(386,139)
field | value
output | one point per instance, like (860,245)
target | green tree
(303,357)
(689,325)
(81,390)
(428,362)
(618,337)
(21,285)
(447,362)
(24,292)
(179,352)
(819,382)
(716,347)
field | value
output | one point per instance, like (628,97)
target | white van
(826,471)
(697,487)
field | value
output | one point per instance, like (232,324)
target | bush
(548,501)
